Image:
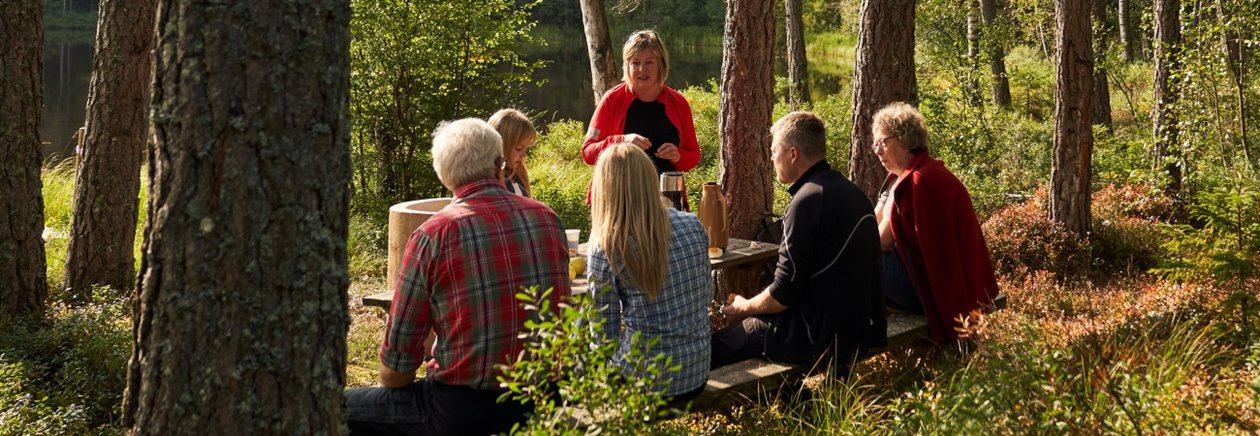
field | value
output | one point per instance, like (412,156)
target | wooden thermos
(713,215)
(405,218)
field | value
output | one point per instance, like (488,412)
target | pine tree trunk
(1073,137)
(744,112)
(997,56)
(103,228)
(599,47)
(798,66)
(23,278)
(1128,41)
(1167,43)
(1101,105)
(883,74)
(241,319)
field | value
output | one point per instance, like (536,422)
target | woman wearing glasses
(935,259)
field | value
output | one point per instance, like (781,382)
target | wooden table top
(738,252)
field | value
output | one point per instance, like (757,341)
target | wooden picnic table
(738,252)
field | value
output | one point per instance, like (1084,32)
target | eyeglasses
(881,143)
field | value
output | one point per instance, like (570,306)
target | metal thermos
(674,188)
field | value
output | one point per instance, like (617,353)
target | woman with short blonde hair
(649,269)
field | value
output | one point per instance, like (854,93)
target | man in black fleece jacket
(827,299)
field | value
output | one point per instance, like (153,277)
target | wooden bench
(749,378)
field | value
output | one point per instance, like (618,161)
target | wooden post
(405,218)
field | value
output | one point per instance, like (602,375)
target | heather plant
(1125,233)
(1022,236)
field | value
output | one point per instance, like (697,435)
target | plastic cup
(573,236)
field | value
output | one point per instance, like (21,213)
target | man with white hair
(458,281)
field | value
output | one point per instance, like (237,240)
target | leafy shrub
(68,376)
(1022,235)
(1125,232)
(566,370)
(1226,247)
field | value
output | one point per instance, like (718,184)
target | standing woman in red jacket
(643,111)
(935,258)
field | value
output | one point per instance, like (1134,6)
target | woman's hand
(638,140)
(669,152)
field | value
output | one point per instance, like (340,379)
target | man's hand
(395,379)
(669,152)
(762,303)
(737,307)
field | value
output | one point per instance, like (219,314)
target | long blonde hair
(628,218)
(514,127)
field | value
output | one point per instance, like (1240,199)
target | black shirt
(830,274)
(649,120)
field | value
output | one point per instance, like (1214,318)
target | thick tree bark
(798,66)
(240,323)
(1163,115)
(744,111)
(1128,41)
(997,56)
(883,74)
(23,278)
(1073,137)
(1101,105)
(107,182)
(599,47)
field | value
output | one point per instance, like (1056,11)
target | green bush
(566,370)
(66,376)
(1225,246)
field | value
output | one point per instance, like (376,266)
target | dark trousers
(428,407)
(898,288)
(739,342)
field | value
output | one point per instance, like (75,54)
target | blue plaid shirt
(678,316)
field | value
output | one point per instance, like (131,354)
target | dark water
(565,95)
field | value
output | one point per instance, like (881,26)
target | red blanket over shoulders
(938,237)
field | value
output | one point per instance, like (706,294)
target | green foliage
(1134,381)
(1227,246)
(66,376)
(415,64)
(566,370)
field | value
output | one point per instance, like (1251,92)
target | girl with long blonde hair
(649,269)
(518,135)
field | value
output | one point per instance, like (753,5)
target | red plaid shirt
(459,278)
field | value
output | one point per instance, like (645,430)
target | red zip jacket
(938,237)
(609,122)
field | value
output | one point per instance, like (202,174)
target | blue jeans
(431,408)
(898,288)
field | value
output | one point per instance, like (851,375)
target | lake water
(565,95)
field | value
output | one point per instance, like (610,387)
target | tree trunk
(599,47)
(1164,117)
(241,319)
(883,74)
(107,182)
(1101,107)
(973,54)
(23,278)
(744,110)
(1231,44)
(997,56)
(798,66)
(1073,138)
(1128,41)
